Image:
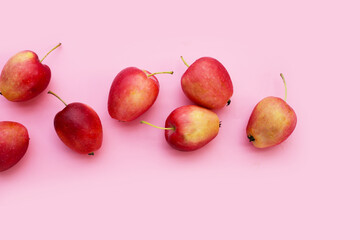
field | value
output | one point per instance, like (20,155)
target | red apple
(271,122)
(79,127)
(207,83)
(132,93)
(191,127)
(24,76)
(14,141)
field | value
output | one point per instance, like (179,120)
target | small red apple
(207,83)
(24,76)
(271,122)
(79,127)
(132,93)
(14,142)
(191,127)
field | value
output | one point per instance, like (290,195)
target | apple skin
(131,94)
(271,122)
(79,127)
(24,77)
(207,83)
(194,127)
(14,142)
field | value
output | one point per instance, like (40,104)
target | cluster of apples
(206,82)
(23,78)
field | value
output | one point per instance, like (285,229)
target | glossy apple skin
(194,127)
(24,77)
(131,94)
(207,83)
(79,127)
(271,122)
(14,142)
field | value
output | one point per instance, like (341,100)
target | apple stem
(91,154)
(156,126)
(50,92)
(283,78)
(50,51)
(184,61)
(152,74)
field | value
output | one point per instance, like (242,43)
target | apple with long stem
(207,83)
(24,76)
(271,122)
(14,142)
(132,93)
(78,127)
(190,127)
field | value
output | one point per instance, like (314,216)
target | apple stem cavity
(152,74)
(50,92)
(184,61)
(283,78)
(251,138)
(50,51)
(163,128)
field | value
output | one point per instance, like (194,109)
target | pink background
(138,187)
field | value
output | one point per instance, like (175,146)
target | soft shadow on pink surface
(28,106)
(189,157)
(19,167)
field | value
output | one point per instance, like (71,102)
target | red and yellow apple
(190,127)
(132,93)
(24,76)
(207,83)
(271,122)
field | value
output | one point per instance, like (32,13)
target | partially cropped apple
(191,127)
(132,93)
(79,127)
(14,142)
(24,76)
(271,122)
(207,83)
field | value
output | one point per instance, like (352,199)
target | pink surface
(136,186)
